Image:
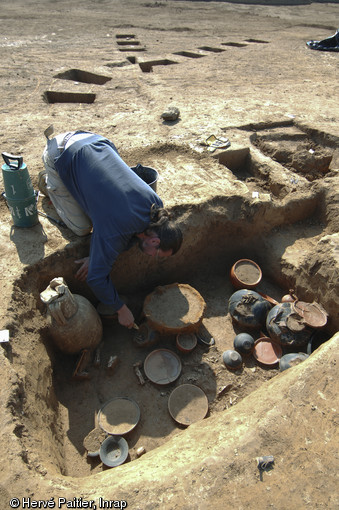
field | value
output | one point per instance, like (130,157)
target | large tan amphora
(75,323)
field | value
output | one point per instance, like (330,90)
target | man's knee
(79,230)
(82,232)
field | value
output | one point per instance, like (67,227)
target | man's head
(150,244)
(162,238)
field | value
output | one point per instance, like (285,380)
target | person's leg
(66,206)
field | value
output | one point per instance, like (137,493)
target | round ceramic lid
(266,351)
(187,404)
(119,416)
(162,366)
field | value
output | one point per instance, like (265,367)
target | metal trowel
(49,131)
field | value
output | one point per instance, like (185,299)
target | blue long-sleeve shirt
(114,197)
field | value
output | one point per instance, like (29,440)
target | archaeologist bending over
(92,187)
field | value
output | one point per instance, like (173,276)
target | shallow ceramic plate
(162,366)
(187,404)
(266,351)
(119,416)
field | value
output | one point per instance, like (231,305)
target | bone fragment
(138,373)
(112,363)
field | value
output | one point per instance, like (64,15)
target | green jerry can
(19,193)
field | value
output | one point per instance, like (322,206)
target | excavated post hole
(125,36)
(259,41)
(132,47)
(51,96)
(147,67)
(189,54)
(83,77)
(212,50)
(67,409)
(235,44)
(123,42)
(296,150)
(126,62)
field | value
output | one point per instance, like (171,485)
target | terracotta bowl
(186,342)
(175,308)
(245,274)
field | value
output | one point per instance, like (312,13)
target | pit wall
(214,232)
(32,408)
(218,232)
(288,239)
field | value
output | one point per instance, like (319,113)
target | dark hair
(168,232)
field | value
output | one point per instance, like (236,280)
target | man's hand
(82,272)
(125,317)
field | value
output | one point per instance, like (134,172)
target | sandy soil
(235,70)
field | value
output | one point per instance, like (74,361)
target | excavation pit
(52,409)
(303,153)
(287,234)
(78,75)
